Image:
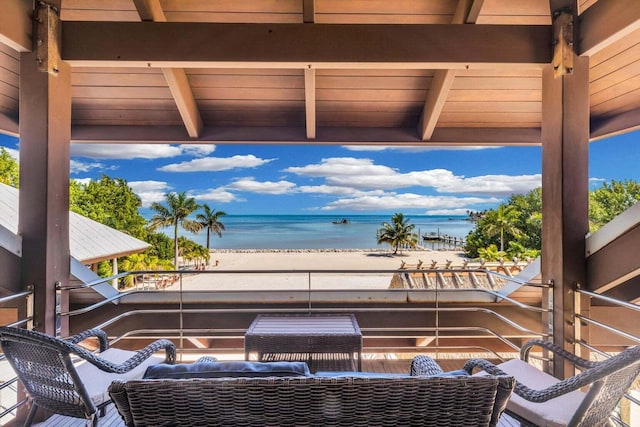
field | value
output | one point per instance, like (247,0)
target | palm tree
(179,207)
(398,233)
(502,221)
(209,219)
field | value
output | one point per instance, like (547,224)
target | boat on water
(341,221)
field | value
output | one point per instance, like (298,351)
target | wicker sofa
(339,399)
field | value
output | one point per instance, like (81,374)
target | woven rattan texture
(309,401)
(608,381)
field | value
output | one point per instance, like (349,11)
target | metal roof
(89,241)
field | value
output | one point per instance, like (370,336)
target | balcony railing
(400,321)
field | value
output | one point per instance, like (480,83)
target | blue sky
(333,180)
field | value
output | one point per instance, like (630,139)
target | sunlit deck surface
(112,418)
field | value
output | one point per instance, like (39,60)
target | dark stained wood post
(565,191)
(45,134)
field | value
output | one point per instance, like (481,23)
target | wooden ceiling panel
(388,83)
(8,104)
(248,93)
(375,119)
(499,83)
(251,118)
(99,116)
(257,11)
(251,105)
(490,119)
(384,11)
(493,107)
(115,92)
(366,107)
(371,95)
(273,81)
(126,104)
(81,78)
(610,80)
(99,10)
(494,95)
(509,12)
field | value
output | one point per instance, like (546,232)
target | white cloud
(333,190)
(125,151)
(339,167)
(447,212)
(492,184)
(363,174)
(150,191)
(77,166)
(219,195)
(264,187)
(216,164)
(197,150)
(406,201)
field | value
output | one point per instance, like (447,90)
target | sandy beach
(227,269)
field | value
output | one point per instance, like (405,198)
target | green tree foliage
(518,221)
(611,200)
(161,245)
(9,170)
(210,220)
(109,201)
(398,233)
(175,213)
(500,222)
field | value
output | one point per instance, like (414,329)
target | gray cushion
(228,369)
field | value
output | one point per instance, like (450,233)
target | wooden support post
(565,193)
(45,133)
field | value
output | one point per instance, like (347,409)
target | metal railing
(9,402)
(623,417)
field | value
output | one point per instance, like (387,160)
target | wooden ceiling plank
(310,101)
(8,125)
(16,27)
(178,44)
(606,22)
(615,125)
(443,79)
(151,10)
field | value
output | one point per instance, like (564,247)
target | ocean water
(319,231)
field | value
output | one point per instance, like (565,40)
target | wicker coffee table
(327,342)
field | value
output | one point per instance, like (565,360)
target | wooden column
(565,192)
(45,133)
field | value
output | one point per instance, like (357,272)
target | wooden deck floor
(112,418)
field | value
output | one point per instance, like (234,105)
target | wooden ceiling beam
(442,79)
(606,22)
(615,125)
(151,10)
(309,17)
(16,25)
(295,136)
(179,44)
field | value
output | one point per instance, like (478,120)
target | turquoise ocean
(320,232)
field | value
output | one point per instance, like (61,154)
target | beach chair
(75,387)
(541,399)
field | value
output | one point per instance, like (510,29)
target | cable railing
(623,416)
(9,402)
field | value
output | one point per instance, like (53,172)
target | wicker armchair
(541,399)
(78,387)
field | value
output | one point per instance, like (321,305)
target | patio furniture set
(62,377)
